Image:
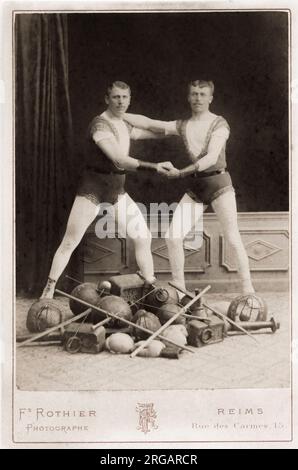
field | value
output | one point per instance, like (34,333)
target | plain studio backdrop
(64,63)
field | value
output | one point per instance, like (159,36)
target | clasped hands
(168,169)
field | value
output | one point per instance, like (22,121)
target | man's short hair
(201,84)
(118,84)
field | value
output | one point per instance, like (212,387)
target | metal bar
(101,323)
(257,332)
(216,312)
(21,338)
(171,320)
(112,315)
(73,279)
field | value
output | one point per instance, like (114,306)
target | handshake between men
(168,169)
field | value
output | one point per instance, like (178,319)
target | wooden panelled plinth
(208,259)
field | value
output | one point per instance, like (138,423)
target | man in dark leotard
(103,182)
(205,181)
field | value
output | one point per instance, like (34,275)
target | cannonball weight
(104,287)
(146,320)
(87,292)
(139,313)
(43,314)
(167,311)
(176,333)
(116,305)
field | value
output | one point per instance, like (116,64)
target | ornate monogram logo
(147,417)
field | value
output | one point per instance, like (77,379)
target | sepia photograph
(151,203)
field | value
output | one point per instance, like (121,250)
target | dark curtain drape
(43,144)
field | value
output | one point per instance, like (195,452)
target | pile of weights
(144,310)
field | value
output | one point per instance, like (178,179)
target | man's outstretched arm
(210,159)
(144,134)
(148,124)
(124,162)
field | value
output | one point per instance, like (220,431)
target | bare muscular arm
(143,122)
(124,162)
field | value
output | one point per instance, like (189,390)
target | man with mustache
(205,181)
(103,181)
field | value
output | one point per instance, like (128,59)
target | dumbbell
(258,325)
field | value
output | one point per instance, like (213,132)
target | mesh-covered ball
(248,307)
(44,314)
(146,320)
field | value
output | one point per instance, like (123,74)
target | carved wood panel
(267,250)
(105,256)
(265,236)
(196,252)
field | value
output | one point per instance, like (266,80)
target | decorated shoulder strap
(216,124)
(179,125)
(219,122)
(101,124)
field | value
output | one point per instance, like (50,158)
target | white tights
(225,208)
(130,222)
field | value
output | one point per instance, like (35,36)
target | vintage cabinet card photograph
(148,211)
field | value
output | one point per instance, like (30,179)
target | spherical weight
(104,287)
(167,311)
(116,305)
(139,313)
(146,320)
(248,307)
(87,292)
(176,333)
(44,314)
